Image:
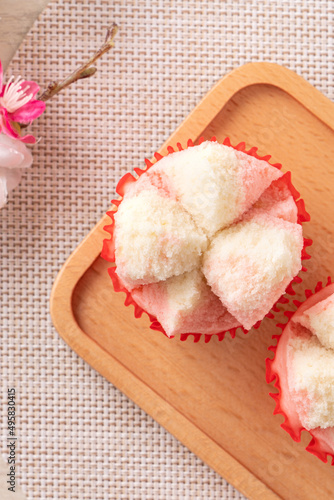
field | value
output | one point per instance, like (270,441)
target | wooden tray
(213,397)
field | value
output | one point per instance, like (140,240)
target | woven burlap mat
(78,436)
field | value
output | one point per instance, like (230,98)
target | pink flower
(14,157)
(17,105)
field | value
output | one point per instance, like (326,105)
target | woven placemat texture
(78,436)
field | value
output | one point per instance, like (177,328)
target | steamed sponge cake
(310,365)
(250,264)
(155,238)
(311,381)
(304,371)
(207,239)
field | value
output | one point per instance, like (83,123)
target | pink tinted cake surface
(294,404)
(278,201)
(249,264)
(216,183)
(153,180)
(179,311)
(255,177)
(192,233)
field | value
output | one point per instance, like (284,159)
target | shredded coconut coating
(319,319)
(185,304)
(311,381)
(155,181)
(215,183)
(250,264)
(155,238)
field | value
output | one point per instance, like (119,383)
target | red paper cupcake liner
(108,250)
(316,446)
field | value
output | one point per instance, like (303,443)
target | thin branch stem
(85,70)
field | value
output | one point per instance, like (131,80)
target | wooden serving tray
(213,397)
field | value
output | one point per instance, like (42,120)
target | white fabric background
(79,437)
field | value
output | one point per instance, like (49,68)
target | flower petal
(10,157)
(3,191)
(10,178)
(6,126)
(28,139)
(9,130)
(29,87)
(14,153)
(28,112)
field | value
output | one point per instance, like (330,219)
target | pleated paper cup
(322,439)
